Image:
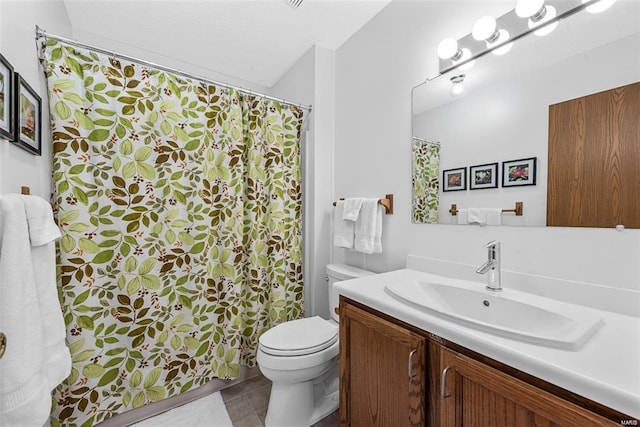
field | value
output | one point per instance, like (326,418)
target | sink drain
(486,303)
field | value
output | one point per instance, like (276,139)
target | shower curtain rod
(40,33)
(426,141)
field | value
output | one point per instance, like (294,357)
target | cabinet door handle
(410,366)
(443,383)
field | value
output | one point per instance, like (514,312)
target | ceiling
(253,40)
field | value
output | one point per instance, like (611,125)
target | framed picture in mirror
(6,98)
(516,173)
(483,176)
(28,117)
(454,179)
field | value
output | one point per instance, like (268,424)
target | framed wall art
(454,179)
(28,117)
(6,99)
(516,173)
(483,176)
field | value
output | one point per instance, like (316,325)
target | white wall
(375,71)
(310,81)
(18,19)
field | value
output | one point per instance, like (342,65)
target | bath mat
(208,411)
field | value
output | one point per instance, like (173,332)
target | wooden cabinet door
(382,371)
(474,394)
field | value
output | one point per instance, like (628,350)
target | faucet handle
(492,244)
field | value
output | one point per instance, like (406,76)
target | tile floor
(247,404)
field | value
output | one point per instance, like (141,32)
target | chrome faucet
(492,267)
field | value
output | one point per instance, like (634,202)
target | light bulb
(456,90)
(466,54)
(484,28)
(457,87)
(503,37)
(528,8)
(599,6)
(448,48)
(549,14)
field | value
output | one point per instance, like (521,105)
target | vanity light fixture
(599,6)
(457,87)
(538,14)
(486,29)
(448,49)
(497,35)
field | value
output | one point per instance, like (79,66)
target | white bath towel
(343,231)
(368,230)
(43,232)
(25,397)
(352,208)
(485,216)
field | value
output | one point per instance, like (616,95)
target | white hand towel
(368,228)
(43,231)
(352,209)
(42,228)
(463,216)
(25,397)
(343,234)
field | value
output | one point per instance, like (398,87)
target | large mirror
(502,115)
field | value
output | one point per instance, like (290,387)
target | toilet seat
(299,337)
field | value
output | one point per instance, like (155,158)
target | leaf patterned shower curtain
(180,205)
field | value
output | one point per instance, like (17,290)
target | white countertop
(606,369)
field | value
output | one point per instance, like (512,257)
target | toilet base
(303,404)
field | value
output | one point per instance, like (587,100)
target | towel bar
(518,209)
(387,202)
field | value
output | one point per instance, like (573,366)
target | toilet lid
(299,337)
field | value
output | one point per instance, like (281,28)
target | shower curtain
(180,205)
(425,181)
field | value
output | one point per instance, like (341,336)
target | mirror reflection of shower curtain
(425,181)
(181,210)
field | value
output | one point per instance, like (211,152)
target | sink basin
(509,313)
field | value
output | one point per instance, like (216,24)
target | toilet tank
(338,273)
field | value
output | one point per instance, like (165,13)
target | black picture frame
(483,176)
(520,172)
(7,82)
(454,179)
(27,116)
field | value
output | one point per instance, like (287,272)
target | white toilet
(300,357)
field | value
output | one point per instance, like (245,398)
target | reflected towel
(463,216)
(485,216)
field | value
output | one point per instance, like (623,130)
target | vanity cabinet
(394,374)
(474,394)
(382,378)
